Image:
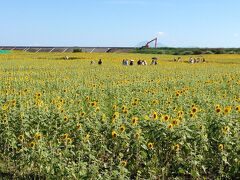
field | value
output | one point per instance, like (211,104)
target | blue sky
(182,23)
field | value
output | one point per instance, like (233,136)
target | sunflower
(165,117)
(68,141)
(21,137)
(87,98)
(134,120)
(137,135)
(220,147)
(14,102)
(150,145)
(93,104)
(180,113)
(122,128)
(175,122)
(154,102)
(225,129)
(123,163)
(65,118)
(155,116)
(135,102)
(114,134)
(218,110)
(191,114)
(97,109)
(62,101)
(32,144)
(238,108)
(170,126)
(176,147)
(65,136)
(227,109)
(125,111)
(201,127)
(115,115)
(87,137)
(194,109)
(124,108)
(38,95)
(38,136)
(4,107)
(78,126)
(83,114)
(114,107)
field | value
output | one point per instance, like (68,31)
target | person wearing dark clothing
(100,61)
(131,63)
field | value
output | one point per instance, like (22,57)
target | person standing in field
(100,62)
(154,61)
(131,62)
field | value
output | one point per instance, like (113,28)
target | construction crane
(147,45)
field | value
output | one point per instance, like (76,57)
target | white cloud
(160,34)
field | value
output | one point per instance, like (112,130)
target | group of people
(191,60)
(126,62)
(196,60)
(140,62)
(179,59)
(130,62)
(99,62)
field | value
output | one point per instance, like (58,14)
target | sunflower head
(175,122)
(194,109)
(165,117)
(123,163)
(65,136)
(134,120)
(218,110)
(122,128)
(114,134)
(78,126)
(227,109)
(176,147)
(21,137)
(170,126)
(38,136)
(238,108)
(65,118)
(150,146)
(155,116)
(220,147)
(32,144)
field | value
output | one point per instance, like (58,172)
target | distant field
(62,119)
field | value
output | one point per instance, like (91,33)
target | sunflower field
(67,119)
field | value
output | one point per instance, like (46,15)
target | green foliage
(77,50)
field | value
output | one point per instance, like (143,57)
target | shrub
(208,52)
(197,52)
(187,53)
(77,50)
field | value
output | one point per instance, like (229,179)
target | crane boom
(155,39)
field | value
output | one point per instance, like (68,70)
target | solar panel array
(55,49)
